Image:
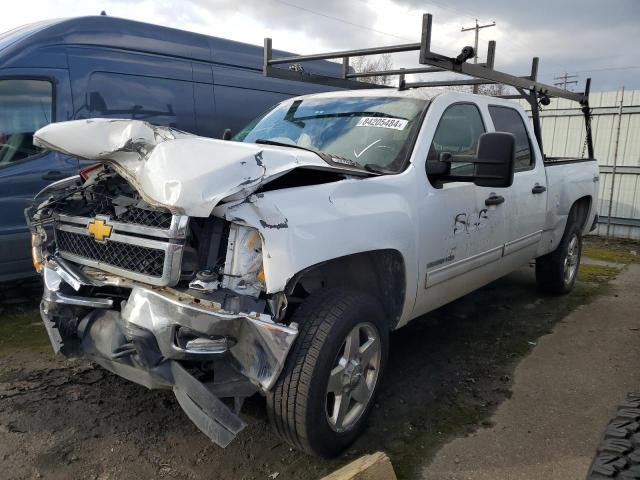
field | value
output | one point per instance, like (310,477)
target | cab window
(458,131)
(507,119)
(25,106)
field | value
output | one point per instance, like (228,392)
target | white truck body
(444,239)
(450,242)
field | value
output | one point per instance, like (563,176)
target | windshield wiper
(372,167)
(324,156)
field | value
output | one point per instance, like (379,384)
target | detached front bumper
(144,342)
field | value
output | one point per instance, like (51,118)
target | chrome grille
(141,252)
(134,258)
(149,218)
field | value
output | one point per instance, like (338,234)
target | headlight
(243,270)
(36,255)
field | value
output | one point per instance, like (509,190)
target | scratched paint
(467,223)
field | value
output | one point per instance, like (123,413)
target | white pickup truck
(280,261)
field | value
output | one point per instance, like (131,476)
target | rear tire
(557,271)
(618,455)
(325,392)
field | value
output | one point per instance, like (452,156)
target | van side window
(25,106)
(507,119)
(161,101)
(458,131)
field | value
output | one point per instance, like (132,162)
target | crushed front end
(157,297)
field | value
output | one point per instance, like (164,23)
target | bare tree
(492,89)
(373,64)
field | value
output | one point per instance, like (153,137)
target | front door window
(25,106)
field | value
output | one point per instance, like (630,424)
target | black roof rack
(528,87)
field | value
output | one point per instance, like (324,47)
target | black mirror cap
(226,135)
(437,168)
(495,160)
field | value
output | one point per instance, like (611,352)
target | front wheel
(323,396)
(557,271)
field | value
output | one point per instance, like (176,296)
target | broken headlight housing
(243,268)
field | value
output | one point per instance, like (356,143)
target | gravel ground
(448,372)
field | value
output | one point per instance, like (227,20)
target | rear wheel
(557,271)
(323,396)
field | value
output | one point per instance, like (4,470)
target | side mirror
(436,168)
(226,135)
(495,160)
(493,164)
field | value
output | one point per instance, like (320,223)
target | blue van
(109,67)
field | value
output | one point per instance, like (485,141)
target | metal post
(425,37)
(266,56)
(615,162)
(491,54)
(587,117)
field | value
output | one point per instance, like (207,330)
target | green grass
(610,255)
(597,273)
(22,331)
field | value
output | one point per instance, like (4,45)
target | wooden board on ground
(375,466)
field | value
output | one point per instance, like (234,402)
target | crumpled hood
(183,172)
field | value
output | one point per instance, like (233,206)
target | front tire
(557,271)
(323,396)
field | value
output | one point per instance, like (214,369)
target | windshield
(366,130)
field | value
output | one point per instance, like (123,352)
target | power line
(605,69)
(292,5)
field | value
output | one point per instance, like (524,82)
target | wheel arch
(380,273)
(579,212)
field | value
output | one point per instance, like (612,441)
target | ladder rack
(528,87)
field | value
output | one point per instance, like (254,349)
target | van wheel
(557,271)
(325,392)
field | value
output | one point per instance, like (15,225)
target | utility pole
(564,80)
(475,45)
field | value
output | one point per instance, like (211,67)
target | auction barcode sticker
(382,122)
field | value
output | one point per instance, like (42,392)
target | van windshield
(25,106)
(359,130)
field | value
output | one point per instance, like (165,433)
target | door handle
(53,175)
(494,200)
(538,189)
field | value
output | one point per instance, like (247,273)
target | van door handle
(494,200)
(53,175)
(538,189)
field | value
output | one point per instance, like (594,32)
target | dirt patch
(447,373)
(616,250)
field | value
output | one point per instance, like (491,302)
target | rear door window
(507,119)
(25,106)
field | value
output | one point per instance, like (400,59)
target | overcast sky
(596,38)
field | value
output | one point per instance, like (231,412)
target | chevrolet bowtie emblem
(99,229)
